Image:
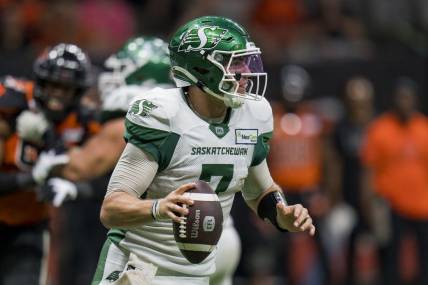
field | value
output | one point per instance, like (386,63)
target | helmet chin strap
(229,101)
(233,102)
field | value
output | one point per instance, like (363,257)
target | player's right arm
(147,133)
(122,206)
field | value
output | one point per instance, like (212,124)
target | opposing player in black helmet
(62,74)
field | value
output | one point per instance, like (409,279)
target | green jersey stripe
(159,144)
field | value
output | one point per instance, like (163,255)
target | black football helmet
(63,74)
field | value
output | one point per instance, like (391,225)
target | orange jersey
(398,156)
(22,207)
(295,157)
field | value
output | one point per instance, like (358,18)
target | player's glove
(31,126)
(57,191)
(45,163)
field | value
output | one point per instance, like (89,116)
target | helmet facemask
(243,77)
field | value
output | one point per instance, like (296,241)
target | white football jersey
(188,148)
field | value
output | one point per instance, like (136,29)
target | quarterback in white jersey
(215,127)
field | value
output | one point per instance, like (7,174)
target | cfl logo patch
(208,224)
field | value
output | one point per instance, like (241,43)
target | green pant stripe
(101,263)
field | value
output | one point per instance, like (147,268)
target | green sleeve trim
(261,149)
(157,143)
(116,235)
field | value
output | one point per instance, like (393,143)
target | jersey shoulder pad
(148,122)
(15,94)
(17,84)
(261,113)
(154,109)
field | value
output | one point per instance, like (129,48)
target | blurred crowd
(350,138)
(303,30)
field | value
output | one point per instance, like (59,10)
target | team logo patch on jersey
(220,130)
(246,136)
(206,37)
(143,107)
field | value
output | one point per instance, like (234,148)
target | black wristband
(267,208)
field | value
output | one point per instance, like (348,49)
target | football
(198,233)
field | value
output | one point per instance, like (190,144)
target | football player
(214,126)
(62,76)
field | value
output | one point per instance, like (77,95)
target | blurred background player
(347,140)
(140,65)
(298,155)
(396,156)
(62,75)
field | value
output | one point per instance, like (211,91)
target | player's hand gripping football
(175,204)
(294,218)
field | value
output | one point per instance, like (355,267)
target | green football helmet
(216,54)
(141,61)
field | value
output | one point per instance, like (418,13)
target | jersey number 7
(225,171)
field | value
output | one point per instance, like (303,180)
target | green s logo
(143,107)
(202,38)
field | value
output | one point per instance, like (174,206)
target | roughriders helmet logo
(202,38)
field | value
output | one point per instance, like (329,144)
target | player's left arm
(98,155)
(267,200)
